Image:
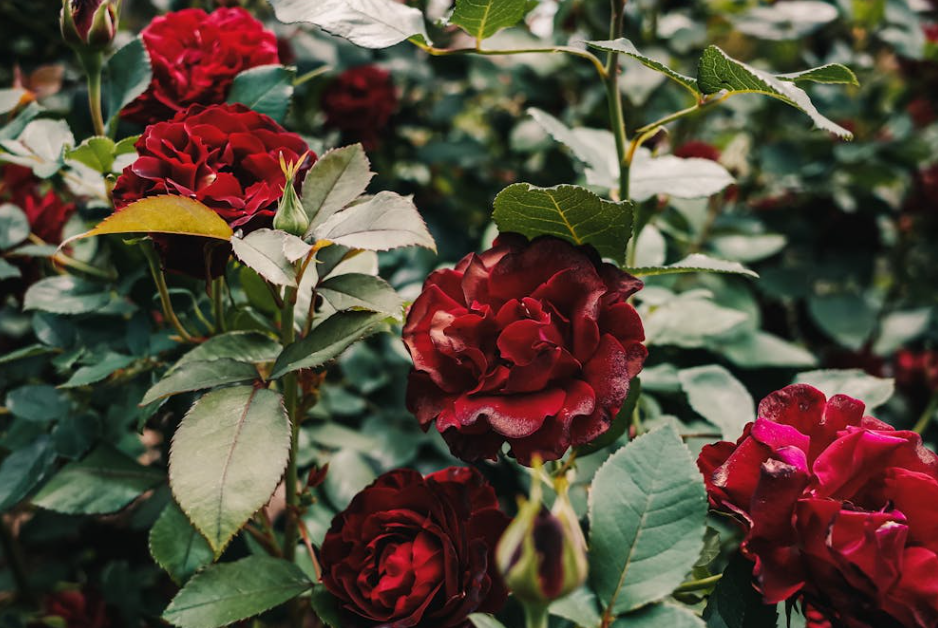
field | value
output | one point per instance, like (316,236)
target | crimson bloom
(359,102)
(225,156)
(77,609)
(195,57)
(838,509)
(529,343)
(46,211)
(415,552)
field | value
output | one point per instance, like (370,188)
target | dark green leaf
(695,263)
(565,211)
(227,457)
(847,318)
(326,606)
(384,222)
(23,470)
(199,376)
(104,482)
(39,402)
(626,47)
(128,76)
(335,180)
(595,148)
(326,341)
(65,294)
(830,73)
(223,594)
(244,346)
(105,367)
(484,18)
(14,226)
(661,616)
(719,397)
(647,512)
(366,23)
(266,89)
(30,351)
(356,291)
(349,473)
(176,546)
(735,603)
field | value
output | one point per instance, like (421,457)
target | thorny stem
(160,280)
(928,416)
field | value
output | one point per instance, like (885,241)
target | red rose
(360,102)
(77,609)
(700,150)
(46,211)
(533,344)
(415,552)
(195,57)
(838,508)
(226,156)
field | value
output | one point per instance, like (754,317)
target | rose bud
(542,554)
(88,24)
(290,216)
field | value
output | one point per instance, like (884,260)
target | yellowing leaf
(163,214)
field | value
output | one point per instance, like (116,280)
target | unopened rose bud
(290,216)
(542,554)
(89,25)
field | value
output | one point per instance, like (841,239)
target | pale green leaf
(97,153)
(244,346)
(266,89)
(335,180)
(695,263)
(384,222)
(871,390)
(761,349)
(832,73)
(719,397)
(365,23)
(263,251)
(326,341)
(580,607)
(14,226)
(595,148)
(357,291)
(626,47)
(675,176)
(65,294)
(199,376)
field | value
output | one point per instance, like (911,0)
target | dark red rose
(415,552)
(359,102)
(46,211)
(226,156)
(533,344)
(701,150)
(838,508)
(88,24)
(195,57)
(915,370)
(77,609)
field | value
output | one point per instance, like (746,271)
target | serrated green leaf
(105,481)
(14,226)
(659,616)
(595,148)
(719,397)
(29,351)
(565,211)
(735,603)
(675,176)
(717,71)
(199,376)
(484,18)
(695,263)
(223,594)
(335,180)
(266,89)
(263,251)
(326,341)
(848,318)
(227,457)
(326,606)
(100,370)
(177,546)
(365,23)
(832,73)
(128,75)
(23,470)
(626,47)
(384,222)
(65,294)
(692,321)
(357,291)
(95,152)
(580,607)
(243,346)
(873,391)
(647,511)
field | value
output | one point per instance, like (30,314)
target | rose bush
(836,507)
(529,343)
(360,102)
(416,552)
(195,57)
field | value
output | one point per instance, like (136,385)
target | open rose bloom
(839,509)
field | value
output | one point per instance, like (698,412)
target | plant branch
(289,387)
(92,62)
(160,280)
(614,97)
(218,302)
(928,416)
(583,54)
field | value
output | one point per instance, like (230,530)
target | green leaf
(266,89)
(580,607)
(735,603)
(660,616)
(29,351)
(717,71)
(565,211)
(384,222)
(40,403)
(484,18)
(675,176)
(227,457)
(647,507)
(899,328)
(23,470)
(40,146)
(223,594)
(692,321)
(335,180)
(14,226)
(786,21)
(105,367)
(105,481)
(484,620)
(97,153)
(8,270)
(848,318)
(719,397)
(326,606)
(243,346)
(365,23)
(177,215)
(263,251)
(595,148)
(199,376)
(326,341)
(357,291)
(128,75)
(747,248)
(873,391)
(695,263)
(349,473)
(178,547)
(65,294)
(761,349)
(832,73)
(626,47)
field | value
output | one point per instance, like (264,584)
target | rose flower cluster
(838,510)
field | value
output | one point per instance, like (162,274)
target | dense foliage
(454,313)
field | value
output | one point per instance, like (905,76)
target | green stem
(614,97)
(160,280)
(699,585)
(928,416)
(289,387)
(584,54)
(535,616)
(92,62)
(218,303)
